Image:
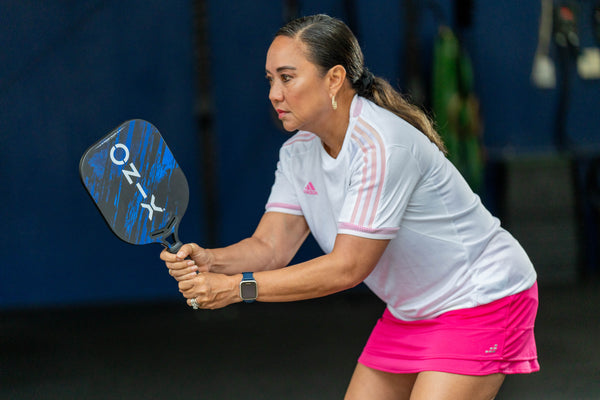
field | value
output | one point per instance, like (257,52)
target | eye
(285,77)
(270,80)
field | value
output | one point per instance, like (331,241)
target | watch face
(248,290)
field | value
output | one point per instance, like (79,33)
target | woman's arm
(273,245)
(350,262)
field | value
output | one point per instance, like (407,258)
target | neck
(334,131)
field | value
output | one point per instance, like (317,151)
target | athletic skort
(492,338)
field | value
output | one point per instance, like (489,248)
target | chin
(290,128)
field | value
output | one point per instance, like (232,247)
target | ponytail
(380,92)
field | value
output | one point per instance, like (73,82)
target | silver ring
(194,303)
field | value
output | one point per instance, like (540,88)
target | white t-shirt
(389,181)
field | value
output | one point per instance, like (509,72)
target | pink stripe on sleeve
(283,205)
(381,160)
(382,231)
(361,190)
(373,174)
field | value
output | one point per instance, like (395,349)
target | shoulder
(392,129)
(379,131)
(374,127)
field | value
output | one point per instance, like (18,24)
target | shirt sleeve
(283,197)
(381,184)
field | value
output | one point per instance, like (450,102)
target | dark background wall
(72,70)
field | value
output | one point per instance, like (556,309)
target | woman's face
(298,92)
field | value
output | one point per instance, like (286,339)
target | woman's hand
(211,291)
(189,260)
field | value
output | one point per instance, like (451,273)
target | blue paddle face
(136,184)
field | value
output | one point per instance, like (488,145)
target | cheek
(306,101)
(296,102)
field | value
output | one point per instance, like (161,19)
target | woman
(366,174)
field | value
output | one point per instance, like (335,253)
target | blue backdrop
(71,71)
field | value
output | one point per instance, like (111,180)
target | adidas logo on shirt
(310,189)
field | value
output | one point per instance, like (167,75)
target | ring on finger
(194,303)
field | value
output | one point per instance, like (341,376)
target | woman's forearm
(273,245)
(251,254)
(315,278)
(351,261)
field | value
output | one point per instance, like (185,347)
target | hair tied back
(366,79)
(364,84)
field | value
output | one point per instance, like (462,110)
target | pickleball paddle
(136,184)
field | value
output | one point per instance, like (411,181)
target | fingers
(208,291)
(181,266)
(181,274)
(187,251)
(193,289)
(201,256)
(188,267)
(184,252)
(185,286)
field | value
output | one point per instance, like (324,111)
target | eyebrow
(281,69)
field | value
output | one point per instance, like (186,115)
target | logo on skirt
(492,349)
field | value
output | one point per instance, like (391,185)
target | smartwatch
(248,288)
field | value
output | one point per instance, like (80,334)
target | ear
(336,77)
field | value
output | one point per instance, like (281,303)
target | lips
(281,113)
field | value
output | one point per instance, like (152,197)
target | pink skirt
(491,338)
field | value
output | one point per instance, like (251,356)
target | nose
(275,93)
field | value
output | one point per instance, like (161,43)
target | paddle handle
(175,247)
(168,236)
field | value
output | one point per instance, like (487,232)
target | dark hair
(330,42)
